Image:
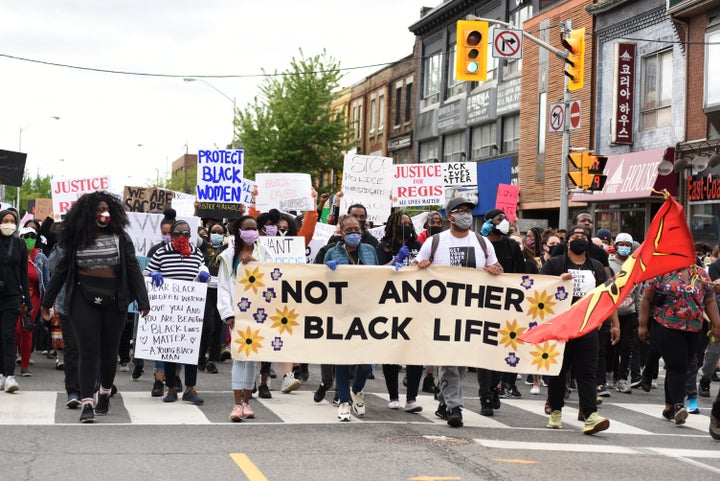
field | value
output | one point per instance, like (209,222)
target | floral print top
(685,302)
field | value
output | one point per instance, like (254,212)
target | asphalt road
(293,438)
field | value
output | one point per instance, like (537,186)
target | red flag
(667,247)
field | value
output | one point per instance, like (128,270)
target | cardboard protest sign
(507,200)
(144,230)
(285,248)
(43,208)
(367,180)
(437,316)
(66,191)
(285,192)
(220,176)
(418,184)
(146,199)
(172,329)
(12,167)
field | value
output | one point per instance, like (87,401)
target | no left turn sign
(556,121)
(507,43)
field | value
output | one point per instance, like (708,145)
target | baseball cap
(624,237)
(604,234)
(457,202)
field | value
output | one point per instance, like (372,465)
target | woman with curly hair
(101,276)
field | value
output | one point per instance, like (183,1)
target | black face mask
(435,229)
(405,233)
(334,239)
(579,246)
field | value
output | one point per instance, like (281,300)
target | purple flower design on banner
(532,325)
(260,315)
(276,274)
(512,359)
(277,343)
(269,294)
(244,304)
(561,294)
(527,282)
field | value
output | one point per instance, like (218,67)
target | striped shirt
(103,254)
(168,262)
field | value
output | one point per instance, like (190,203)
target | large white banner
(285,192)
(367,180)
(375,314)
(66,191)
(172,329)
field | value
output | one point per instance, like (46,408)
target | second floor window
(657,90)
(483,141)
(431,79)
(511,133)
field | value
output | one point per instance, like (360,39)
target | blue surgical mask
(624,251)
(353,239)
(166,238)
(216,239)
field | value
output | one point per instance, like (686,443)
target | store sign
(702,188)
(623,94)
(481,106)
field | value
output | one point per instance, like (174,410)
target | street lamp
(22,129)
(192,79)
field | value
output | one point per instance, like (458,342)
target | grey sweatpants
(450,388)
(710,362)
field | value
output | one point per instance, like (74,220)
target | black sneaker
(158,389)
(202,364)
(272,374)
(178,384)
(304,372)
(486,406)
(715,377)
(103,404)
(225,356)
(171,395)
(514,393)
(191,396)
(264,391)
(714,428)
(496,400)
(428,384)
(73,401)
(88,414)
(113,390)
(635,382)
(704,387)
(320,393)
(136,373)
(211,368)
(602,391)
(500,392)
(441,412)
(454,418)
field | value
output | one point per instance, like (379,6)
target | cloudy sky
(103,116)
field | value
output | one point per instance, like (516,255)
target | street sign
(507,43)
(557,117)
(574,115)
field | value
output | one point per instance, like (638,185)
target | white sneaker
(124,368)
(2,382)
(623,387)
(535,390)
(394,404)
(344,412)
(412,407)
(11,384)
(289,383)
(358,403)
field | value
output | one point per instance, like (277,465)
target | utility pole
(564,200)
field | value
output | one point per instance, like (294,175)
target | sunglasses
(184,233)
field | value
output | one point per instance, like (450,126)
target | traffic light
(471,50)
(574,43)
(591,167)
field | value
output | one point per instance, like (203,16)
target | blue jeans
(342,380)
(243,375)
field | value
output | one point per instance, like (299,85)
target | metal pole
(562,221)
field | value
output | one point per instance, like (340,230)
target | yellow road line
(516,461)
(248,467)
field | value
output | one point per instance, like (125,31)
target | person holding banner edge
(101,276)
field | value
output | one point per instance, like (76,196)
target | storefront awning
(632,176)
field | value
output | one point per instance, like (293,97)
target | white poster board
(367,180)
(323,233)
(285,248)
(144,230)
(459,174)
(66,191)
(418,185)
(219,176)
(172,329)
(285,191)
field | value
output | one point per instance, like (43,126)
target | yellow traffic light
(591,167)
(574,43)
(471,50)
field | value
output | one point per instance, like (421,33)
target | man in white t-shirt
(458,247)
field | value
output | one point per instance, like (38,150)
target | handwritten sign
(12,167)
(285,248)
(216,210)
(284,191)
(43,208)
(220,176)
(367,180)
(172,329)
(418,184)
(459,174)
(144,230)
(146,199)
(66,192)
(507,200)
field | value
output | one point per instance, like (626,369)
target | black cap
(491,214)
(577,229)
(457,202)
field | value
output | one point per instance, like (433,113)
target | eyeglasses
(184,233)
(461,210)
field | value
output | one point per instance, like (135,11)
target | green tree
(291,126)
(180,182)
(32,188)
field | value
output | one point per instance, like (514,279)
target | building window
(357,120)
(455,87)
(511,133)
(431,79)
(408,101)
(381,113)
(428,151)
(483,141)
(373,117)
(712,69)
(657,90)
(542,119)
(517,18)
(398,106)
(401,156)
(454,147)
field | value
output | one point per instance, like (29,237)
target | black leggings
(676,348)
(213,328)
(97,331)
(581,354)
(391,371)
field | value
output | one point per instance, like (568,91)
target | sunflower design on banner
(545,355)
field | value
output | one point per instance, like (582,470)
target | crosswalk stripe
(566,447)
(144,409)
(299,408)
(694,421)
(570,416)
(470,418)
(28,407)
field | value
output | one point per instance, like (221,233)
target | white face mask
(8,229)
(503,226)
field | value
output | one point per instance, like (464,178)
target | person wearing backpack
(458,247)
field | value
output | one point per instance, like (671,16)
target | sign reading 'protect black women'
(220,176)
